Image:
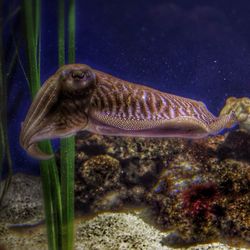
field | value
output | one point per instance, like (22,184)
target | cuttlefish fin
(187,127)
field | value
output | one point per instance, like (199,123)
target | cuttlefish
(79,98)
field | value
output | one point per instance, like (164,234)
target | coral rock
(197,189)
(101,170)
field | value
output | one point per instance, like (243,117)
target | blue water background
(196,49)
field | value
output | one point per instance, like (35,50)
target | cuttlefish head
(76,79)
(59,109)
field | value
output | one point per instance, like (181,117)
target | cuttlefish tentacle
(79,98)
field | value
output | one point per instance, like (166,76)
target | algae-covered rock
(23,202)
(23,205)
(95,177)
(241,109)
(101,170)
(203,201)
(193,188)
(140,164)
(236,146)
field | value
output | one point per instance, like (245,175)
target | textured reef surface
(241,109)
(144,194)
(106,231)
(198,190)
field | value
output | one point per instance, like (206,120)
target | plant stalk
(49,172)
(67,145)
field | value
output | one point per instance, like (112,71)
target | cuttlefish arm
(79,98)
(36,116)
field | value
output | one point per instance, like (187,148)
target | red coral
(199,200)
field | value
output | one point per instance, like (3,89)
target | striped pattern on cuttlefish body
(79,98)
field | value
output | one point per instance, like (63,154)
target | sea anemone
(199,200)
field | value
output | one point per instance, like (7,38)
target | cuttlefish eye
(81,75)
(77,79)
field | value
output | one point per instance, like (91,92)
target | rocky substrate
(189,193)
(200,189)
(107,231)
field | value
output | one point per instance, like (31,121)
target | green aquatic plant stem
(52,199)
(61,33)
(71,31)
(49,173)
(2,100)
(67,181)
(67,145)
(4,141)
(34,81)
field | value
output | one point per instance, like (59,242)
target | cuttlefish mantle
(79,98)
